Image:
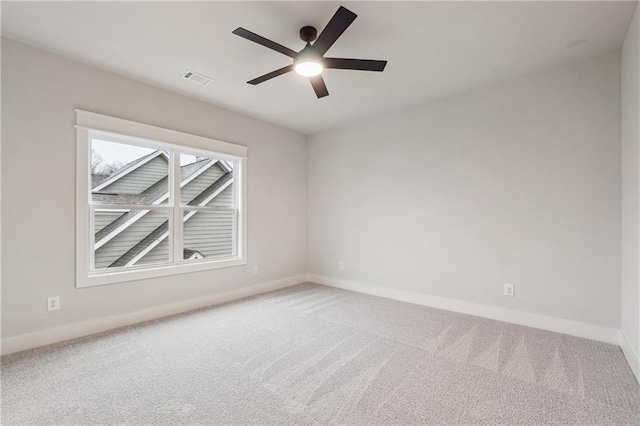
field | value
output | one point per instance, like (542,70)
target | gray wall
(631,186)
(39,93)
(518,182)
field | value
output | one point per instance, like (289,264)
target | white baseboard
(632,357)
(85,328)
(558,325)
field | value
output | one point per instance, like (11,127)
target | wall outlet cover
(509,290)
(53,303)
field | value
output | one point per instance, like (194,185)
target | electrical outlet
(256,270)
(341,265)
(53,303)
(509,290)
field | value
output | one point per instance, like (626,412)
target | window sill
(104,278)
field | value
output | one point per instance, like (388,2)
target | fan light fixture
(308,63)
(309,68)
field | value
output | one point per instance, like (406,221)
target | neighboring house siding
(210,233)
(137,181)
(224,199)
(158,254)
(103,218)
(124,241)
(199,184)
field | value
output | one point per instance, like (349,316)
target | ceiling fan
(310,61)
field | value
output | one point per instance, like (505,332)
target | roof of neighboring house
(110,198)
(187,253)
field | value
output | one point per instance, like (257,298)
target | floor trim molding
(632,357)
(558,325)
(58,334)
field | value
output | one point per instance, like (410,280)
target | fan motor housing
(308,34)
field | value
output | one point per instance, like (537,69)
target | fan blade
(334,29)
(354,64)
(265,42)
(271,75)
(318,86)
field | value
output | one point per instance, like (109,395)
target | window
(148,206)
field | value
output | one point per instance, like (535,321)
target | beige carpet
(313,354)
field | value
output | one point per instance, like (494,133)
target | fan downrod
(308,34)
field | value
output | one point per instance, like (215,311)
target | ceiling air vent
(197,78)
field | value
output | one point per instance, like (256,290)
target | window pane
(208,234)
(128,174)
(125,238)
(206,181)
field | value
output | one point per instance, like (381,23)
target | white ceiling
(434,49)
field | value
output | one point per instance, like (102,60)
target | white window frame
(88,124)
